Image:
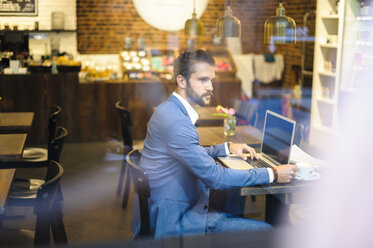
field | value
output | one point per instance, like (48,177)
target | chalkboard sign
(19,7)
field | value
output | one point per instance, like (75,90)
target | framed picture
(18,7)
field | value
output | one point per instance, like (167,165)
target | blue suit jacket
(181,172)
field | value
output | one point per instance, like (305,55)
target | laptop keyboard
(259,163)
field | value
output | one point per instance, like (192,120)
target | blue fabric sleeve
(183,144)
(216,151)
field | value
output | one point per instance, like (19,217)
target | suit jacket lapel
(174,99)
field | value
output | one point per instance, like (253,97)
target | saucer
(34,153)
(313,177)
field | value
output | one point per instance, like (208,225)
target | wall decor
(19,8)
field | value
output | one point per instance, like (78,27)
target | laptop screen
(277,137)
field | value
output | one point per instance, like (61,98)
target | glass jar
(229,126)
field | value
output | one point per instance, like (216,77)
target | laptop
(278,135)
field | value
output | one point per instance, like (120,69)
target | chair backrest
(55,147)
(47,209)
(54,113)
(247,111)
(141,185)
(125,119)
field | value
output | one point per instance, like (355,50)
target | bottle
(54,67)
(36,26)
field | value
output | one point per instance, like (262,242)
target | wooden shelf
(52,31)
(324,110)
(330,17)
(42,31)
(308,73)
(327,73)
(325,100)
(334,46)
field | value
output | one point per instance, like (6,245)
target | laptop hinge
(268,158)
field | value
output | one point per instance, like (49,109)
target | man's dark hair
(184,64)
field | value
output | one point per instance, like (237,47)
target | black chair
(22,187)
(41,154)
(125,119)
(247,111)
(47,209)
(142,188)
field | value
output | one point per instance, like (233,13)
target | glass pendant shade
(228,25)
(280,29)
(193,26)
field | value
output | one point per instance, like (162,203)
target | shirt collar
(191,111)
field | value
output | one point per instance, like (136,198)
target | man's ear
(181,82)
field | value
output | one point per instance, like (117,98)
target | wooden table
(11,148)
(16,122)
(274,192)
(206,118)
(215,135)
(6,179)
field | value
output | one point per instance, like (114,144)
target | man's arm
(240,149)
(280,174)
(234,148)
(183,144)
(216,151)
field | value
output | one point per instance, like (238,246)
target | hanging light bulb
(280,29)
(193,26)
(228,25)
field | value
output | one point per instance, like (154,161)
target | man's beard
(195,97)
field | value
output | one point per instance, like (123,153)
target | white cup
(306,170)
(14,65)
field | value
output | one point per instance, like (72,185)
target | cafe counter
(88,108)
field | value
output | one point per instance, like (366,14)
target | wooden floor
(92,210)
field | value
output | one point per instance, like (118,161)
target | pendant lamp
(193,26)
(228,25)
(280,29)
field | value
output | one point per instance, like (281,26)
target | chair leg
(127,185)
(59,193)
(121,176)
(58,228)
(42,232)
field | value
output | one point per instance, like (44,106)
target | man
(181,172)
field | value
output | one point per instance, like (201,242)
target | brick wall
(253,14)
(104,24)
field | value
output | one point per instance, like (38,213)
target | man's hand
(285,172)
(239,149)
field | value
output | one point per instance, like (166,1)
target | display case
(136,64)
(162,62)
(225,66)
(151,64)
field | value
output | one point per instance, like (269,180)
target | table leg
(276,209)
